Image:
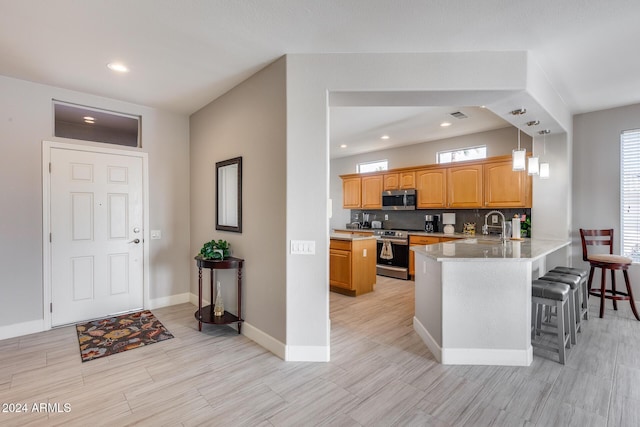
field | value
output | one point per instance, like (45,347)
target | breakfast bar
(473,299)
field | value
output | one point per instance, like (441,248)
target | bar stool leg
(613,289)
(630,292)
(603,285)
(560,309)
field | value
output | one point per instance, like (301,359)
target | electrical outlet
(494,219)
(386,217)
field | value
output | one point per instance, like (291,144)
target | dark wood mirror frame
(229,195)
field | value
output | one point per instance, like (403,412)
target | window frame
(372,162)
(630,199)
(455,150)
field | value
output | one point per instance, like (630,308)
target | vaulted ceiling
(183,54)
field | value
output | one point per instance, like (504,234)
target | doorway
(95,210)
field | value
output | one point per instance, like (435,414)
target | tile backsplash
(414,220)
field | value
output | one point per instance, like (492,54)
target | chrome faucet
(485,228)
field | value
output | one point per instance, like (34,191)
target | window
(630,193)
(378,165)
(93,124)
(470,153)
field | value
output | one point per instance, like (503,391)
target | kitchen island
(473,299)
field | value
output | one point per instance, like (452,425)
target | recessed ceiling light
(445,124)
(88,118)
(343,146)
(89,121)
(118,67)
(384,137)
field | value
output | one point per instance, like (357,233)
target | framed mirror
(229,195)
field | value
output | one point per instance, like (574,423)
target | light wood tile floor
(380,374)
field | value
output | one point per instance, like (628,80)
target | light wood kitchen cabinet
(372,192)
(352,266)
(391,181)
(399,181)
(352,192)
(504,187)
(423,240)
(465,186)
(431,188)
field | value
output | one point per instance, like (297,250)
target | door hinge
(49,167)
(50,238)
(50,307)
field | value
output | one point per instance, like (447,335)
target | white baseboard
(473,356)
(19,329)
(265,340)
(307,353)
(426,337)
(483,356)
(170,300)
(193,299)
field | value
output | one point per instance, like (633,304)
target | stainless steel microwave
(399,200)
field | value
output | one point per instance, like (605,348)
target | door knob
(136,241)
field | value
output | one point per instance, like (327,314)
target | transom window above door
(93,124)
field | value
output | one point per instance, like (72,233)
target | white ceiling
(185,53)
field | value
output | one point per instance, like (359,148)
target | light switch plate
(303,247)
(156,234)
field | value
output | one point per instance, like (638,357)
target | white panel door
(96,215)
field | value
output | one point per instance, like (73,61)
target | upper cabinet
(399,181)
(352,192)
(504,187)
(431,188)
(489,183)
(372,192)
(464,186)
(391,181)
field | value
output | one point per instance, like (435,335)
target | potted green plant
(216,249)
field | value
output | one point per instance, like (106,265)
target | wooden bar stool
(605,262)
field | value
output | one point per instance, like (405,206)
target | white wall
(596,176)
(26,119)
(248,121)
(499,142)
(310,78)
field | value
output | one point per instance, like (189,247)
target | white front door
(96,220)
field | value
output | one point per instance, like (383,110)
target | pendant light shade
(533,166)
(519,157)
(544,170)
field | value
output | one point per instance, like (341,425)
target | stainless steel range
(393,253)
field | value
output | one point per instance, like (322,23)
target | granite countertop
(490,249)
(347,236)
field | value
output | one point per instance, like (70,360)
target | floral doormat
(112,335)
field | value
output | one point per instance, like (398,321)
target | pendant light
(519,157)
(544,167)
(533,163)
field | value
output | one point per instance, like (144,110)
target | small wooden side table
(205,314)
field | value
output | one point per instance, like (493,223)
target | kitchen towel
(386,252)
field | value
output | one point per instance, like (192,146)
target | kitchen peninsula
(473,299)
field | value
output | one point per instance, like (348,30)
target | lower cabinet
(352,266)
(423,240)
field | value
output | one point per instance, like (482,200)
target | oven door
(393,263)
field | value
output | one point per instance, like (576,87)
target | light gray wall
(26,119)
(596,175)
(499,142)
(310,78)
(248,121)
